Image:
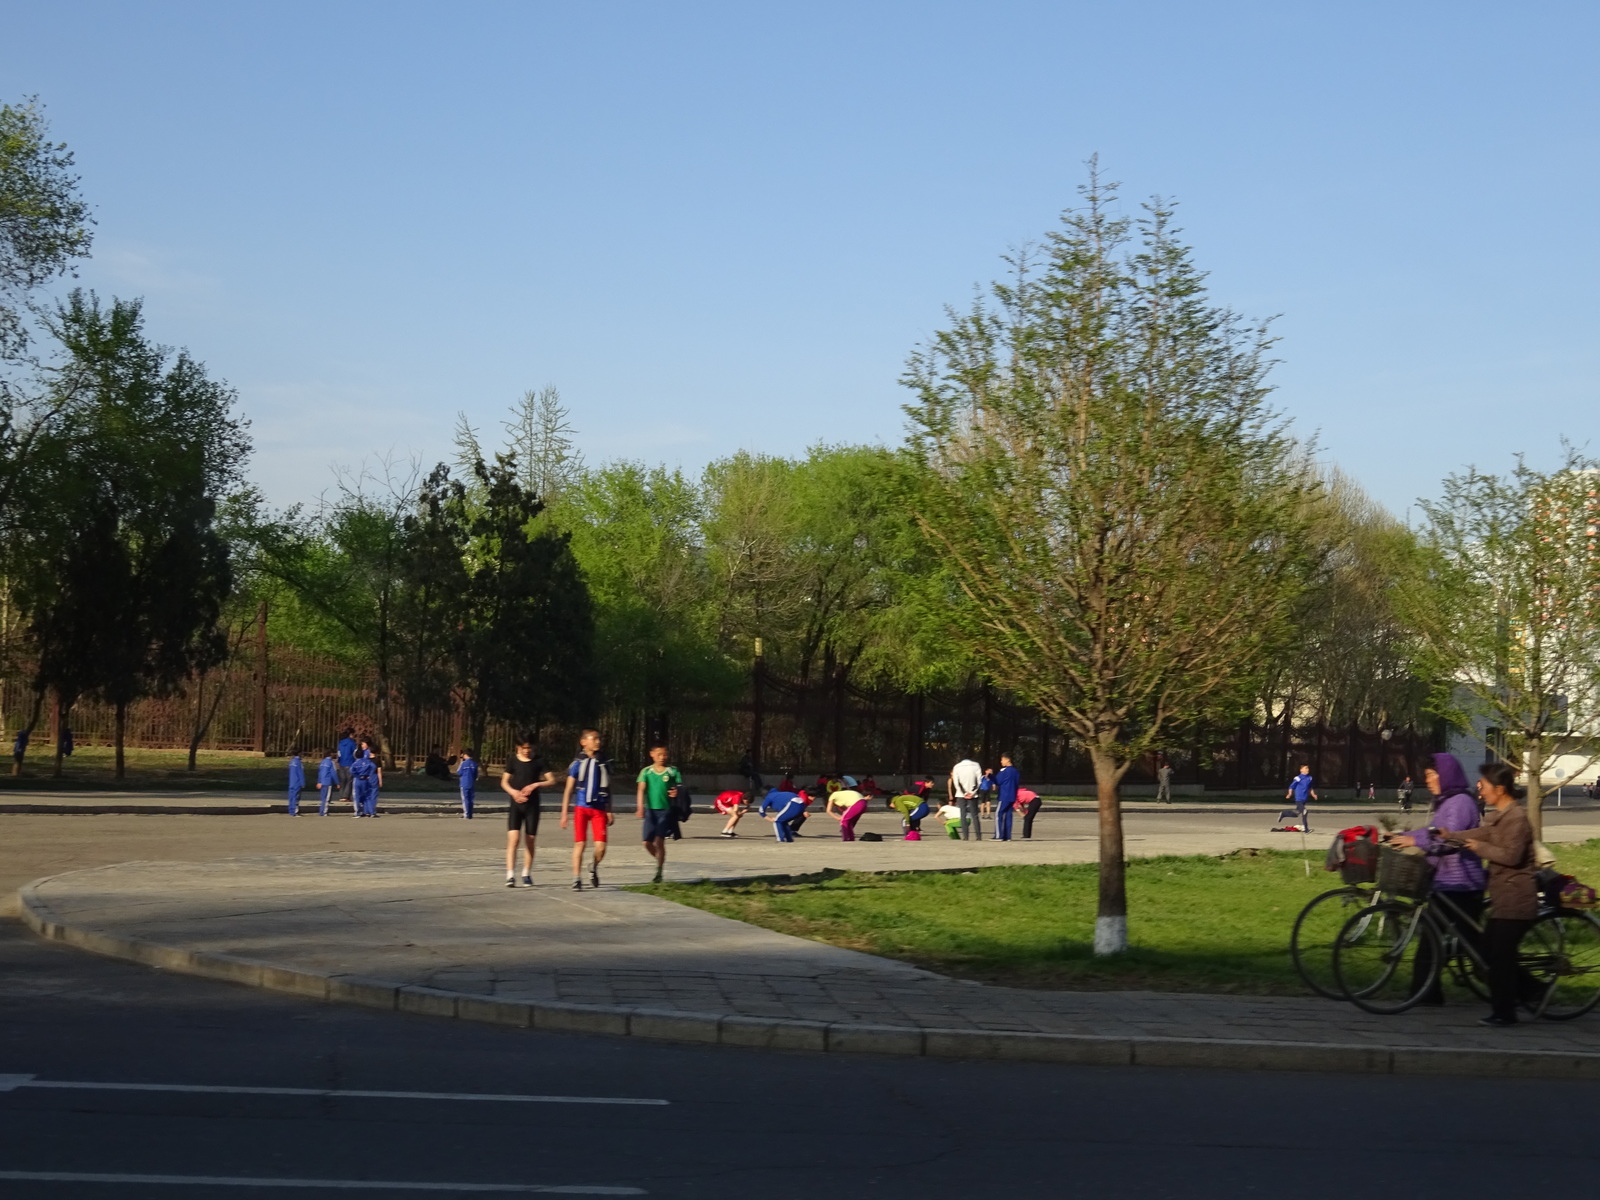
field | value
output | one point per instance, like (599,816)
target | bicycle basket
(1404,874)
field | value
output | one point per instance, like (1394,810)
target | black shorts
(524,816)
(658,823)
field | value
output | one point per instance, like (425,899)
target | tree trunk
(122,731)
(63,719)
(33,719)
(1111,917)
(1533,762)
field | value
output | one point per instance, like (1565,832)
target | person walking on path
(965,778)
(1505,842)
(1302,788)
(1404,794)
(1006,781)
(467,778)
(1164,783)
(658,787)
(297,783)
(327,780)
(1028,801)
(851,805)
(785,810)
(752,777)
(588,794)
(368,778)
(524,777)
(1457,872)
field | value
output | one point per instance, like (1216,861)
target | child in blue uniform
(467,776)
(297,783)
(327,780)
(1006,781)
(783,809)
(368,777)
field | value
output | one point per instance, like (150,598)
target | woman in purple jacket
(1458,873)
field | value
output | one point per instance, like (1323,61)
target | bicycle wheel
(1562,952)
(1386,957)
(1316,928)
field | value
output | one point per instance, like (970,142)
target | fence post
(261,679)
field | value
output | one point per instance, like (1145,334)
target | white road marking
(10,1083)
(566,1189)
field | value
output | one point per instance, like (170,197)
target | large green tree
(1118,508)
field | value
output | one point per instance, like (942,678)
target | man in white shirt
(965,777)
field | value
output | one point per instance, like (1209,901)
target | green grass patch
(1198,924)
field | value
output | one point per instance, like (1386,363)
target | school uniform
(467,775)
(297,783)
(787,809)
(1006,781)
(327,781)
(364,772)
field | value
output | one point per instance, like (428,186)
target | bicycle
(1316,931)
(1387,957)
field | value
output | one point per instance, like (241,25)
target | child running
(658,786)
(733,804)
(467,777)
(588,792)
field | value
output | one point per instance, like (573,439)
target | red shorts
(586,819)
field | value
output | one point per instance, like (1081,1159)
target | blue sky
(723,226)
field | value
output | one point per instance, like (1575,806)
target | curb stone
(839,1037)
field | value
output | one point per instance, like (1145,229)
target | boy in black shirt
(525,774)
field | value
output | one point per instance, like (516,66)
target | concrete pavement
(435,931)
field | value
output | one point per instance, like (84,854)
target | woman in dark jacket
(1505,843)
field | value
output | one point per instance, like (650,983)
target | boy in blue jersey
(327,780)
(1006,781)
(588,793)
(467,777)
(297,783)
(1301,789)
(347,748)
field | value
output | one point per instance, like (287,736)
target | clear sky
(723,226)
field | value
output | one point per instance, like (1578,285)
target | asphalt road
(736,1124)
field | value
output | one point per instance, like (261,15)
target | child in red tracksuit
(733,805)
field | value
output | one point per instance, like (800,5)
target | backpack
(1354,854)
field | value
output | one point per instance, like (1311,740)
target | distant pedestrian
(1028,801)
(297,783)
(588,792)
(965,777)
(467,779)
(347,747)
(347,783)
(19,750)
(524,777)
(752,777)
(733,804)
(1164,783)
(851,804)
(365,749)
(1372,791)
(327,780)
(1006,782)
(986,793)
(436,766)
(1303,789)
(66,741)
(367,775)
(785,810)
(1404,794)
(658,788)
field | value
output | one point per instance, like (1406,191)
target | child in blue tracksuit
(783,809)
(1006,781)
(368,778)
(297,784)
(327,780)
(467,775)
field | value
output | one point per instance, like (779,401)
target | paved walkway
(438,932)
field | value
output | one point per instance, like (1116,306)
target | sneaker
(577,885)
(594,879)
(727,833)
(527,881)
(511,881)
(657,879)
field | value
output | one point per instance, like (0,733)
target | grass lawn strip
(1199,924)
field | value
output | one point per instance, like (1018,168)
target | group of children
(786,806)
(352,771)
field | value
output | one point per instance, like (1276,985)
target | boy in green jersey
(658,784)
